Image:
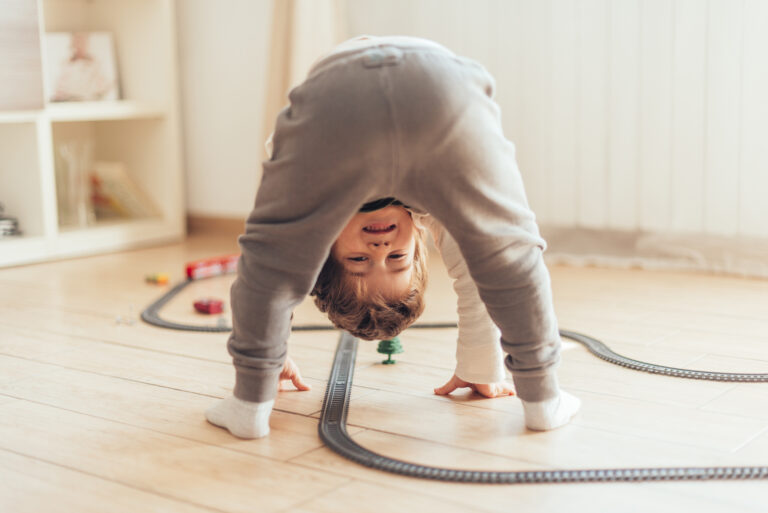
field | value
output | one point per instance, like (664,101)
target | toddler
(387,137)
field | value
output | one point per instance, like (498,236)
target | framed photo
(81,66)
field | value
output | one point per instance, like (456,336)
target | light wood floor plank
(185,470)
(625,334)
(748,400)
(359,497)
(600,377)
(753,453)
(15,369)
(720,363)
(200,376)
(30,485)
(165,410)
(49,321)
(659,291)
(734,325)
(722,344)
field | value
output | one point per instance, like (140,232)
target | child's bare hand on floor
(498,389)
(291,373)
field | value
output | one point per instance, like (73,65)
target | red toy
(212,267)
(209,306)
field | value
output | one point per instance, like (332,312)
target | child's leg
(332,152)
(463,171)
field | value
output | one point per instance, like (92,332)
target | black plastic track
(151,315)
(333,431)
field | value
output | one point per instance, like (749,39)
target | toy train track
(151,315)
(333,431)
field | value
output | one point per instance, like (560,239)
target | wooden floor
(100,412)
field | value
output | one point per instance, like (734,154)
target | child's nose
(379,244)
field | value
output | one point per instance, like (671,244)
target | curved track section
(333,432)
(600,350)
(151,315)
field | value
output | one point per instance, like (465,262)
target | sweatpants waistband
(379,52)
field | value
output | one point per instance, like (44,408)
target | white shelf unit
(141,130)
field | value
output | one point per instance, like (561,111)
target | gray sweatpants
(404,120)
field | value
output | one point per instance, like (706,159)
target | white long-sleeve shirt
(479,358)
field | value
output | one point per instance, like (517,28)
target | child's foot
(552,413)
(244,419)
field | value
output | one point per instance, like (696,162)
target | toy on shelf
(157,278)
(390,347)
(208,267)
(8,225)
(209,305)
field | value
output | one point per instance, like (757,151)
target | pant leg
(332,153)
(459,167)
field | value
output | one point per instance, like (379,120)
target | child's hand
(291,372)
(499,389)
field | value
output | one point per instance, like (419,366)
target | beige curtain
(302,31)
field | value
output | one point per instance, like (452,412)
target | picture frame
(81,66)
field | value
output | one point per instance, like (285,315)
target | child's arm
(479,358)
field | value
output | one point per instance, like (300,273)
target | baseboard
(741,256)
(208,225)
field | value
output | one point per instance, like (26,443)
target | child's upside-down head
(373,282)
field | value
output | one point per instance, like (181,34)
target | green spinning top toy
(390,347)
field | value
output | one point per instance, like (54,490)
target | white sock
(552,413)
(244,419)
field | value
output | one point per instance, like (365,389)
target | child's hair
(351,307)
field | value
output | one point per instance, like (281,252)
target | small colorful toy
(390,347)
(208,267)
(8,225)
(209,305)
(157,278)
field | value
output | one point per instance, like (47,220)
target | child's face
(378,247)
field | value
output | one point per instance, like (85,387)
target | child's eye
(358,259)
(396,256)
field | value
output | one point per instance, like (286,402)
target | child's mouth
(379,228)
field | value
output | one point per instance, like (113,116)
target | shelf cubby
(20,181)
(140,130)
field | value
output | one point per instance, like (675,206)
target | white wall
(627,114)
(223,48)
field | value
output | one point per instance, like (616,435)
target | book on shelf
(115,195)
